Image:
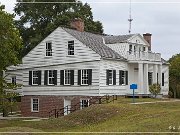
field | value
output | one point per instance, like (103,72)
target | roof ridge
(82,32)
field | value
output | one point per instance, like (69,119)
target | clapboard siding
(60,89)
(111,65)
(59,39)
(65,93)
(19,75)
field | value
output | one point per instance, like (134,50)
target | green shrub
(155,89)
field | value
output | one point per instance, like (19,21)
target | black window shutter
(72,77)
(107,77)
(89,76)
(39,77)
(30,77)
(62,77)
(79,77)
(162,79)
(120,77)
(114,77)
(126,77)
(55,77)
(45,77)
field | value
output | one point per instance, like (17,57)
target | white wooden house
(71,66)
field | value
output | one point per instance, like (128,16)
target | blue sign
(133,86)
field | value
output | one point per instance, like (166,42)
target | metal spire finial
(130,19)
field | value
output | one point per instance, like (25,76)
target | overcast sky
(161,18)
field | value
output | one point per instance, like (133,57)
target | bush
(155,89)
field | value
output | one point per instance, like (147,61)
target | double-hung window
(49,49)
(35,77)
(85,77)
(13,80)
(67,77)
(50,77)
(84,103)
(71,47)
(123,77)
(111,77)
(34,105)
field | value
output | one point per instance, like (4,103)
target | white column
(146,85)
(140,77)
(155,73)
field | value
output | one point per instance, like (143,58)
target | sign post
(133,87)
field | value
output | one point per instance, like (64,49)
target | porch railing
(150,56)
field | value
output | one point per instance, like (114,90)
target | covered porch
(144,73)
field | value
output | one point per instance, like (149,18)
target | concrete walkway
(172,100)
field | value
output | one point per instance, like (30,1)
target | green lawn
(119,116)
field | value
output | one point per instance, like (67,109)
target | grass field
(120,116)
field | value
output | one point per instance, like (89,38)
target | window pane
(70,47)
(84,103)
(49,49)
(84,76)
(35,77)
(50,77)
(35,105)
(67,75)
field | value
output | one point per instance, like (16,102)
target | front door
(67,106)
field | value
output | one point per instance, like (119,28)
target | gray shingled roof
(117,39)
(95,42)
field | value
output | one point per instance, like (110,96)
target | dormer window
(48,49)
(71,47)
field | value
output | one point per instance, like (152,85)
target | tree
(155,89)
(38,20)
(174,75)
(10,44)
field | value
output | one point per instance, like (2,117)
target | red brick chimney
(77,24)
(147,37)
